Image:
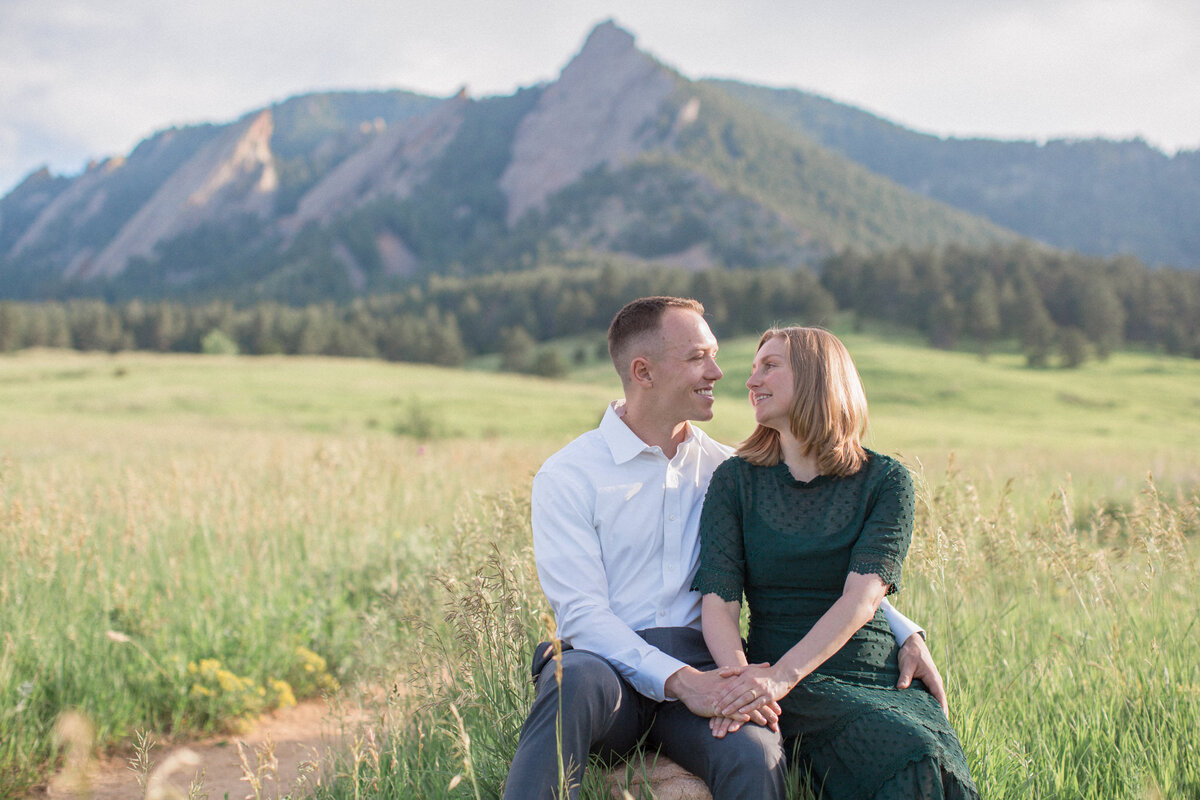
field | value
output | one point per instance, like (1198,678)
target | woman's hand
(767,716)
(917,662)
(754,688)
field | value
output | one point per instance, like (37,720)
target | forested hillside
(1058,309)
(1093,196)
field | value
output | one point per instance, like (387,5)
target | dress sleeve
(722,554)
(887,531)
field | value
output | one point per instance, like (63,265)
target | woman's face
(771,384)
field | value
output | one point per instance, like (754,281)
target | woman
(813,528)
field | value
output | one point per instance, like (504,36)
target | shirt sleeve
(572,572)
(902,627)
(887,531)
(722,568)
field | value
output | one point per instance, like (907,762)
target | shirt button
(670,567)
(662,612)
(672,518)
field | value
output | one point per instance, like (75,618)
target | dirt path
(299,738)
(285,747)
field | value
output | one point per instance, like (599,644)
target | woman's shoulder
(734,465)
(736,470)
(881,461)
(886,469)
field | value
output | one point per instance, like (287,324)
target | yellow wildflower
(284,696)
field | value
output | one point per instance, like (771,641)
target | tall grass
(180,581)
(1069,644)
(188,541)
(1070,641)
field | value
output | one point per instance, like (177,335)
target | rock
(595,114)
(660,778)
(390,166)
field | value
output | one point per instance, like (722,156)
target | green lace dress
(788,545)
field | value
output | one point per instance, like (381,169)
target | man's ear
(639,372)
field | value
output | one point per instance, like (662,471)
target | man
(616,517)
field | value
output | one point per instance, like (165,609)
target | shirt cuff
(651,678)
(902,627)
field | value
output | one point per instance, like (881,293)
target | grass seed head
(160,786)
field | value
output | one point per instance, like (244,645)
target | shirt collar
(622,442)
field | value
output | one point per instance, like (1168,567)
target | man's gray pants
(603,715)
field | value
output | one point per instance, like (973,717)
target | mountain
(1093,196)
(202,181)
(333,195)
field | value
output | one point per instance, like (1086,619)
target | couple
(808,524)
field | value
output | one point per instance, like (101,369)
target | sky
(88,79)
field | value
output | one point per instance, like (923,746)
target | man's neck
(667,436)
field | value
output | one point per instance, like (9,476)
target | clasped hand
(748,694)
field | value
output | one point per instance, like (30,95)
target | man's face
(684,368)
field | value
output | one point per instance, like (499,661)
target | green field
(188,540)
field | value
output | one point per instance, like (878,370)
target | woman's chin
(766,421)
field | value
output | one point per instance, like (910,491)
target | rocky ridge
(594,114)
(234,174)
(619,154)
(391,165)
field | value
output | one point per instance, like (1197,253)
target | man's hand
(917,662)
(752,688)
(697,690)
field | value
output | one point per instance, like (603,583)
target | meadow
(191,540)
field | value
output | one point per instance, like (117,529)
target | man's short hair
(635,320)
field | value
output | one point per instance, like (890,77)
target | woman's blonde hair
(828,414)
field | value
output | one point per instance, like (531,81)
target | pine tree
(983,313)
(1073,347)
(1101,316)
(1034,327)
(516,349)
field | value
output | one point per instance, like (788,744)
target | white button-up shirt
(616,537)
